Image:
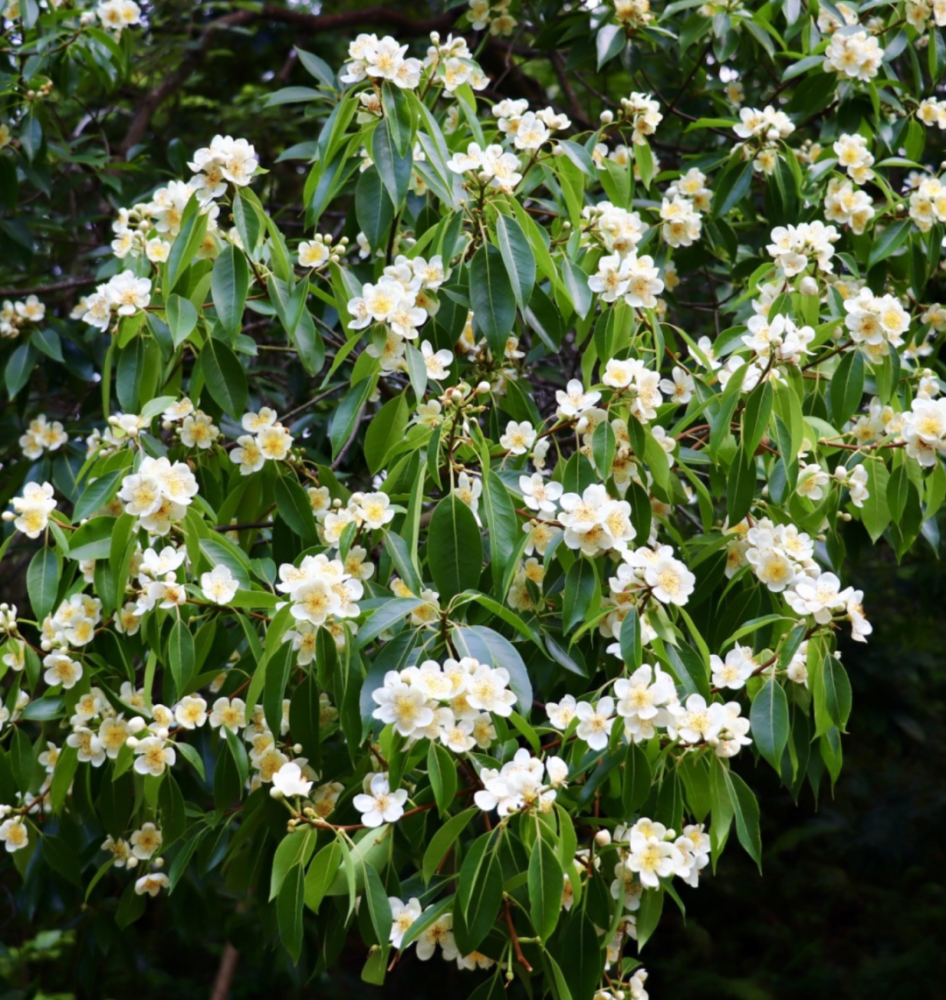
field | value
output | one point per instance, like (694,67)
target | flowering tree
(429,540)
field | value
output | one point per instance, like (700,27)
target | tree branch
(303,23)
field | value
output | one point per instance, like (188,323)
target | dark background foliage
(852,900)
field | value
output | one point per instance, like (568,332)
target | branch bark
(303,23)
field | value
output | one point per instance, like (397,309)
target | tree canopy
(431,441)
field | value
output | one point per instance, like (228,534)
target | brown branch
(225,971)
(46,289)
(302,23)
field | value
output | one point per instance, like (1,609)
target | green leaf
(586,956)
(292,504)
(746,812)
(393,165)
(345,418)
(603,448)
(581,587)
(42,582)
(19,367)
(289,906)
(229,283)
(875,512)
(609,42)
(637,780)
(755,417)
(733,186)
(181,655)
(442,771)
(846,388)
(503,524)
(631,643)
(374,210)
(518,258)
(454,548)
(648,915)
(740,486)
(225,377)
(889,240)
(479,893)
(769,721)
(321,874)
(546,883)
(93,540)
(182,318)
(386,431)
(443,841)
(97,494)
(379,909)
(294,849)
(492,298)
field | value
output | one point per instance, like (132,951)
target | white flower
(153,755)
(594,722)
(403,916)
(219,585)
(146,841)
(540,494)
(737,668)
(288,780)
(378,804)
(402,705)
(519,437)
(152,883)
(653,858)
(15,834)
(62,669)
(229,714)
(573,401)
(561,713)
(436,362)
(191,712)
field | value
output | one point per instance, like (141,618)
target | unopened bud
(607,117)
(275,792)
(132,862)
(297,748)
(483,387)
(157,862)
(603,838)
(131,742)
(808,286)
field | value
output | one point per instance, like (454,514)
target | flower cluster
(453,703)
(122,295)
(158,493)
(266,439)
(524,782)
(856,56)
(402,300)
(31,511)
(492,14)
(116,15)
(14,316)
(761,131)
(794,247)
(876,322)
(42,435)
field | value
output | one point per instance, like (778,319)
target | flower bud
(297,748)
(132,862)
(607,117)
(131,742)
(157,862)
(603,838)
(276,793)
(808,286)
(483,387)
